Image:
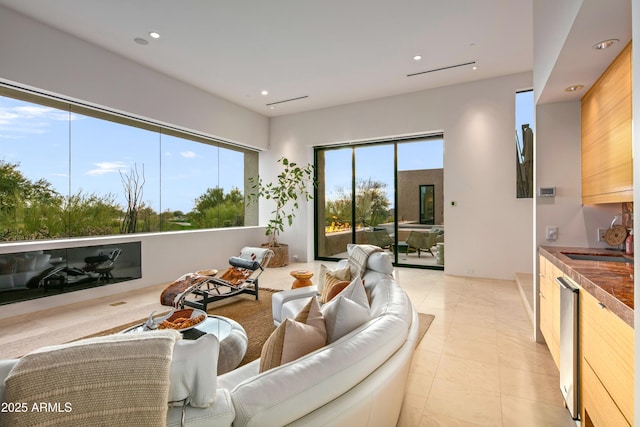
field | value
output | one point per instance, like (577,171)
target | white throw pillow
(342,315)
(194,371)
(356,293)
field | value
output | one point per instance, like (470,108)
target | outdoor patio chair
(422,241)
(379,238)
(199,289)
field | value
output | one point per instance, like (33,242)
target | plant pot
(280,255)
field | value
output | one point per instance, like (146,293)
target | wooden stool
(302,278)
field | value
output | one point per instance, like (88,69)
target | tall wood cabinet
(607,165)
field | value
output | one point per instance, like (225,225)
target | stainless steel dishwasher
(569,363)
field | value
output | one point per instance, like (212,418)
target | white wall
(558,165)
(488,232)
(165,257)
(36,55)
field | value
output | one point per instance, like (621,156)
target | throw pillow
(334,290)
(295,338)
(288,342)
(342,316)
(193,372)
(312,315)
(341,274)
(356,292)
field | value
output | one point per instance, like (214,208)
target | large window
(67,170)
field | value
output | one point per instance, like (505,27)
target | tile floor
(476,366)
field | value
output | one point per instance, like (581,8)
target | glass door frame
(316,209)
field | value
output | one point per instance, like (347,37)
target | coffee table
(231,336)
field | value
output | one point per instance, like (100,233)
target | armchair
(422,241)
(379,238)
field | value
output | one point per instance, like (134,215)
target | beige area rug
(256,318)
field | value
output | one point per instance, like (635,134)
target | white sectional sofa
(357,380)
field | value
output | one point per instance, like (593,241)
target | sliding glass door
(381,193)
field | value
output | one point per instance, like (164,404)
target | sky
(37,137)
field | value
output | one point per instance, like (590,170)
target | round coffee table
(231,336)
(302,278)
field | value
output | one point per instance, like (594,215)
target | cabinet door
(600,408)
(607,348)
(549,314)
(607,164)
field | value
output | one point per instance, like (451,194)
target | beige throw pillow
(341,274)
(295,338)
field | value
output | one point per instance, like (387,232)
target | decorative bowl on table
(183,320)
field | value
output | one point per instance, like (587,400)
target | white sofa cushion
(380,262)
(193,371)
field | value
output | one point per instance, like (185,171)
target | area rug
(257,320)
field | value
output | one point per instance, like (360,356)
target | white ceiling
(333,51)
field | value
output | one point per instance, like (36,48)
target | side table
(231,336)
(302,278)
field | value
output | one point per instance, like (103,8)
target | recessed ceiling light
(141,41)
(264,93)
(573,88)
(475,67)
(154,35)
(605,44)
(271,107)
(417,58)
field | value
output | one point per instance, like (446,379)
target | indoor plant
(291,184)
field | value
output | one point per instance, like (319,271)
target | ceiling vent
(441,69)
(287,100)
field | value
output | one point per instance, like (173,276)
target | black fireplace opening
(37,274)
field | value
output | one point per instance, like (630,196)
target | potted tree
(291,184)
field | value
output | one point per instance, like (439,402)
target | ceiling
(326,53)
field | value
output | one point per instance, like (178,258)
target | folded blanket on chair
(235,275)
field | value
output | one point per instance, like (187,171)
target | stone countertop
(611,283)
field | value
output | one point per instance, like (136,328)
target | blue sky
(37,137)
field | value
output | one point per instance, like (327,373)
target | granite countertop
(611,283)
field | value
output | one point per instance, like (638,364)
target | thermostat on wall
(546,191)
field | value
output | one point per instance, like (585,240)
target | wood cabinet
(549,297)
(607,165)
(606,365)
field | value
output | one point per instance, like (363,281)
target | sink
(606,258)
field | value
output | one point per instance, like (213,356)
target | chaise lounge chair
(199,289)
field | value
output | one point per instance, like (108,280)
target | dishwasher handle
(564,283)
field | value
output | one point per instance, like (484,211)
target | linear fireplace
(41,273)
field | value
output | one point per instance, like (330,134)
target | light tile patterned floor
(476,366)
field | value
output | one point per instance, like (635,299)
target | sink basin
(606,258)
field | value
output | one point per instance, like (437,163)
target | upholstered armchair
(379,238)
(422,241)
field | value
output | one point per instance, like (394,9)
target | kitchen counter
(609,282)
